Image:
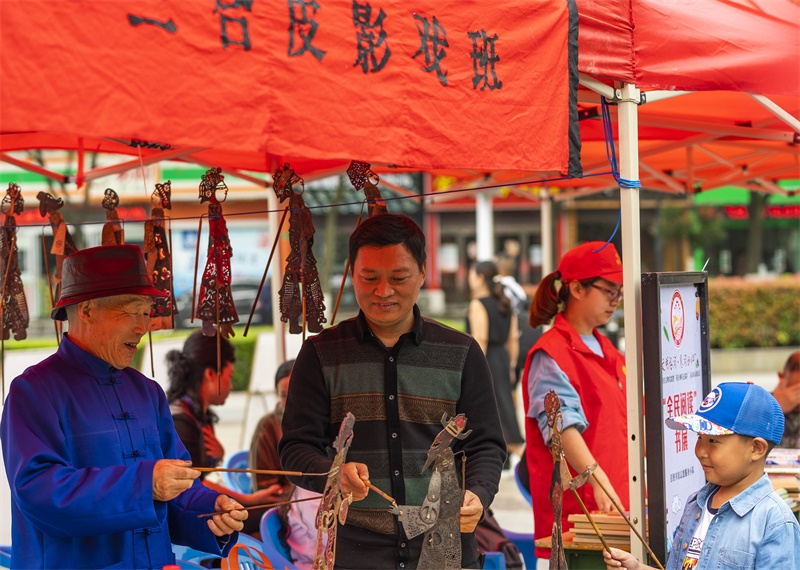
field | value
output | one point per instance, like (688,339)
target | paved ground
(241,412)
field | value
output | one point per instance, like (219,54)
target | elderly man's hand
(471,512)
(171,477)
(352,480)
(227,522)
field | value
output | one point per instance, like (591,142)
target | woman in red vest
(588,373)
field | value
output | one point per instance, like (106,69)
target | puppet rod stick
(217,276)
(152,363)
(381,493)
(303,284)
(344,280)
(49,281)
(168,223)
(264,506)
(196,261)
(259,471)
(266,269)
(3,318)
(627,520)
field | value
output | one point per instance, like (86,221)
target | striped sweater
(397,396)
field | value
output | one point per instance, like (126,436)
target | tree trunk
(754,231)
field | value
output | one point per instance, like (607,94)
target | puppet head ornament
(284,181)
(360,173)
(211,182)
(163,195)
(110,199)
(12,201)
(48,203)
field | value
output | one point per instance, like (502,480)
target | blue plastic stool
(494,561)
(274,549)
(525,493)
(238,481)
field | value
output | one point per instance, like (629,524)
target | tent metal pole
(32,167)
(777,110)
(632,268)
(597,86)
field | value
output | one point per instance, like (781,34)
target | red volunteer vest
(600,383)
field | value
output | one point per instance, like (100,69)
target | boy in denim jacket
(736,520)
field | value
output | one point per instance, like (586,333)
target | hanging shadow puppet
(159,259)
(215,304)
(15,306)
(301,266)
(113,234)
(63,244)
(363,178)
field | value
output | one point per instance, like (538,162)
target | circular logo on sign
(710,401)
(677,318)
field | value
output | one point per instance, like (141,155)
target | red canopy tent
(481,86)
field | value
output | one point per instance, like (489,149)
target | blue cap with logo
(735,407)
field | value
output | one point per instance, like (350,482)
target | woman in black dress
(491,322)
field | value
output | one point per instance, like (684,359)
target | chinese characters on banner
(372,47)
(423,84)
(682,392)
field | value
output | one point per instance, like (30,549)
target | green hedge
(245,351)
(245,348)
(754,313)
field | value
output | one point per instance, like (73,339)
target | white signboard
(676,359)
(681,393)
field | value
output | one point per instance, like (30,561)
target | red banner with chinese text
(423,84)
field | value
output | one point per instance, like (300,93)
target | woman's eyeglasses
(613,295)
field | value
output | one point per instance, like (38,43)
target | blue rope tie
(611,153)
(608,135)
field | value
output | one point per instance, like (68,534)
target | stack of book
(613,527)
(783,468)
(791,498)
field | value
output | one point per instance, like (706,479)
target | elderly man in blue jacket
(98,475)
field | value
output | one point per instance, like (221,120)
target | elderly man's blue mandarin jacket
(80,440)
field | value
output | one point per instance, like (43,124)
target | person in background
(194,386)
(98,475)
(588,374)
(298,520)
(787,393)
(492,323)
(736,520)
(264,445)
(520,303)
(398,373)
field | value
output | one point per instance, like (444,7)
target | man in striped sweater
(397,372)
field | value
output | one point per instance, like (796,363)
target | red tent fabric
(693,45)
(426,84)
(93,77)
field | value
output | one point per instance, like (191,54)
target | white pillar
(484,226)
(276,277)
(546,215)
(632,270)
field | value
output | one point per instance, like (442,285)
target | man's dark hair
(388,229)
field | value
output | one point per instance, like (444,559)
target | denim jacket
(755,529)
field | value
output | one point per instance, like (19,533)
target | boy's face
(728,460)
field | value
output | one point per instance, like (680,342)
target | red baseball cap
(591,259)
